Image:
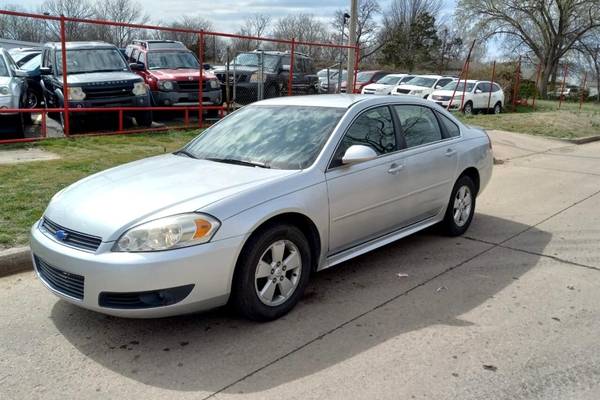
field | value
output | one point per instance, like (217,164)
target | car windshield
(406,79)
(459,87)
(3,68)
(282,137)
(364,76)
(92,60)
(32,64)
(172,60)
(253,60)
(389,80)
(422,81)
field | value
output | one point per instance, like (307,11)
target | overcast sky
(228,15)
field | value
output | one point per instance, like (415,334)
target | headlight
(214,84)
(165,85)
(76,93)
(255,77)
(140,89)
(173,232)
(5,91)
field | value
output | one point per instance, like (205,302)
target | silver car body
(14,83)
(353,208)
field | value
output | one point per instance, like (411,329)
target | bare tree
(549,28)
(19,28)
(366,30)
(302,27)
(589,47)
(68,8)
(124,11)
(254,25)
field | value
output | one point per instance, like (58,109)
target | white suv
(422,85)
(479,96)
(386,84)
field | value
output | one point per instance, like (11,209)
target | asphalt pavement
(511,311)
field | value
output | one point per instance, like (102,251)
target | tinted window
(419,125)
(452,129)
(484,87)
(496,87)
(92,60)
(282,137)
(373,128)
(443,82)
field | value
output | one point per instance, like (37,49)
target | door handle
(450,152)
(395,168)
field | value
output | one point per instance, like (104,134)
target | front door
(364,197)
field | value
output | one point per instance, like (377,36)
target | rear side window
(419,125)
(452,129)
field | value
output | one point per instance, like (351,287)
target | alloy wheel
(462,206)
(278,273)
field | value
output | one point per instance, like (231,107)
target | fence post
(562,87)
(200,81)
(63,52)
(537,80)
(491,85)
(462,71)
(291,75)
(582,91)
(356,55)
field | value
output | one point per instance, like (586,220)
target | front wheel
(461,207)
(497,108)
(272,273)
(468,108)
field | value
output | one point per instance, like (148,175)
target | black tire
(497,108)
(19,123)
(271,91)
(144,119)
(449,224)
(468,108)
(212,113)
(244,289)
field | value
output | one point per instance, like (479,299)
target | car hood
(447,93)
(104,77)
(414,87)
(107,203)
(378,86)
(180,74)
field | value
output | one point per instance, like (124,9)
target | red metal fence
(189,112)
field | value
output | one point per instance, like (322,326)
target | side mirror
(19,73)
(358,153)
(45,70)
(285,68)
(478,91)
(137,66)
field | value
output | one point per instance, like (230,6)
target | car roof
(339,100)
(81,45)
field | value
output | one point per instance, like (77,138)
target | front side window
(373,128)
(3,67)
(172,60)
(92,60)
(281,137)
(419,125)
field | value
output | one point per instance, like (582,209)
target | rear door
(481,95)
(430,160)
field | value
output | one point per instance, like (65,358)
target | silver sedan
(249,209)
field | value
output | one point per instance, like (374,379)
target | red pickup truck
(173,72)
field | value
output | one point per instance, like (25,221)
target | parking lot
(509,311)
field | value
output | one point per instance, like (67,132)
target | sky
(228,15)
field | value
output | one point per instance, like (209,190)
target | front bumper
(9,102)
(209,267)
(109,102)
(209,98)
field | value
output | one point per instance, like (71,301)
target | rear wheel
(498,108)
(272,273)
(461,207)
(468,108)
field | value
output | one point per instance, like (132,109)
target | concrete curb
(583,140)
(15,260)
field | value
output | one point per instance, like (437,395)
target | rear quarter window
(452,129)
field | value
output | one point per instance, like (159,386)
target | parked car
(173,72)
(23,54)
(13,89)
(35,95)
(364,78)
(275,69)
(249,209)
(98,76)
(386,84)
(478,96)
(329,85)
(423,85)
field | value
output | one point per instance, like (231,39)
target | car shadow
(210,351)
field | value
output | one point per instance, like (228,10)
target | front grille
(64,282)
(192,86)
(403,91)
(71,237)
(440,98)
(102,92)
(369,91)
(238,78)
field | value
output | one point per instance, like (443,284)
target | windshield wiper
(238,162)
(184,153)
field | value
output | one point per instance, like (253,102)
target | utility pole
(345,18)
(352,42)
